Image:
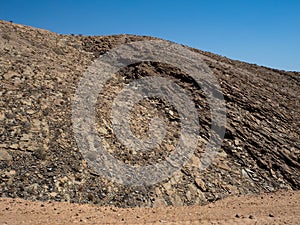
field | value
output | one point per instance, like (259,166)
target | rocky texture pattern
(39,159)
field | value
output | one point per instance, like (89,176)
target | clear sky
(265,32)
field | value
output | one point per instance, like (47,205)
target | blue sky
(265,32)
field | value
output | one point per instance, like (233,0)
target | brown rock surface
(39,73)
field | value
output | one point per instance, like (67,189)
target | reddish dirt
(273,208)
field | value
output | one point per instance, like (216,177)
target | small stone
(245,174)
(4,155)
(53,194)
(9,75)
(33,188)
(17,81)
(92,156)
(30,111)
(103,130)
(2,116)
(90,197)
(222,154)
(251,216)
(10,173)
(14,146)
(236,142)
(25,137)
(271,215)
(200,184)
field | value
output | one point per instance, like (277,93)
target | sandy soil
(275,208)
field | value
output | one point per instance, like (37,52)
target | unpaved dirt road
(274,208)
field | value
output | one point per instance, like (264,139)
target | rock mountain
(39,158)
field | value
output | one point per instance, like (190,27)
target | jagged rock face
(39,158)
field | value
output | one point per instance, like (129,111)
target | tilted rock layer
(39,158)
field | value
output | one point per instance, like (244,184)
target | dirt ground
(274,208)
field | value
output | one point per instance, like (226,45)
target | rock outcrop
(39,158)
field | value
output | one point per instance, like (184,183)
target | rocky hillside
(39,158)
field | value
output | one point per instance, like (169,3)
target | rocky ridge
(39,158)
